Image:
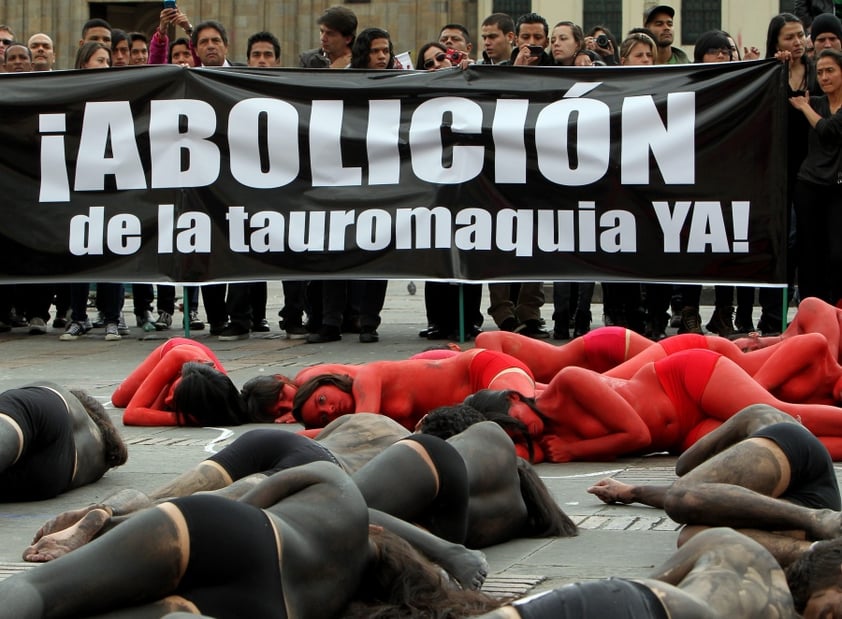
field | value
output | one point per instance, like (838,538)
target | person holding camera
(531,39)
(602,42)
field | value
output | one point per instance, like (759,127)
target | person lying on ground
(52,440)
(760,472)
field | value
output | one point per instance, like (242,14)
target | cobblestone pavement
(614,540)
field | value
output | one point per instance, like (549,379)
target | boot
(582,323)
(691,322)
(743,322)
(722,322)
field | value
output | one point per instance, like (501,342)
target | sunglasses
(431,62)
(7,42)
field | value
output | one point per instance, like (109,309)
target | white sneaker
(37,326)
(112,333)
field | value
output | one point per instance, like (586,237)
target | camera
(602,41)
(169,4)
(453,55)
(536,50)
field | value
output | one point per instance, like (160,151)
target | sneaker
(216,328)
(122,327)
(722,322)
(164,321)
(233,332)
(295,332)
(75,330)
(533,329)
(37,326)
(261,326)
(691,322)
(326,334)
(675,320)
(143,319)
(99,322)
(196,323)
(369,335)
(112,332)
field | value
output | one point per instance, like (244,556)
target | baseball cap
(661,8)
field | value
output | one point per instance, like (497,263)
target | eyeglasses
(431,62)
(7,42)
(718,51)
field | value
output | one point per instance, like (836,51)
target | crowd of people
(321,311)
(406,468)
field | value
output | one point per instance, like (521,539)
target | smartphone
(536,50)
(169,4)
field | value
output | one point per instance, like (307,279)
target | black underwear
(45,467)
(447,516)
(612,598)
(269,451)
(812,478)
(234,570)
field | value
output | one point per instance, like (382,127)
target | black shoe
(743,322)
(655,331)
(261,326)
(561,330)
(581,323)
(509,324)
(437,334)
(675,320)
(369,335)
(216,328)
(769,325)
(234,332)
(721,322)
(426,332)
(691,322)
(327,333)
(533,329)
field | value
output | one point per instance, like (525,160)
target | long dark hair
(340,381)
(495,404)
(544,517)
(400,583)
(205,396)
(424,49)
(776,24)
(362,47)
(260,394)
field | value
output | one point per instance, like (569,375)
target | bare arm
(610,490)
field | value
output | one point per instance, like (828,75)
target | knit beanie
(826,22)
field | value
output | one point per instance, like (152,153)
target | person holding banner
(818,191)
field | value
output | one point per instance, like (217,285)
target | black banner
(160,173)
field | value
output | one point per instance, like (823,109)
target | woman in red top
(180,383)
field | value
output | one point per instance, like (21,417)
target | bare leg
(140,562)
(732,431)
(737,488)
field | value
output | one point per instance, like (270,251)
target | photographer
(601,41)
(531,38)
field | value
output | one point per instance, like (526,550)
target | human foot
(827,524)
(54,545)
(468,567)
